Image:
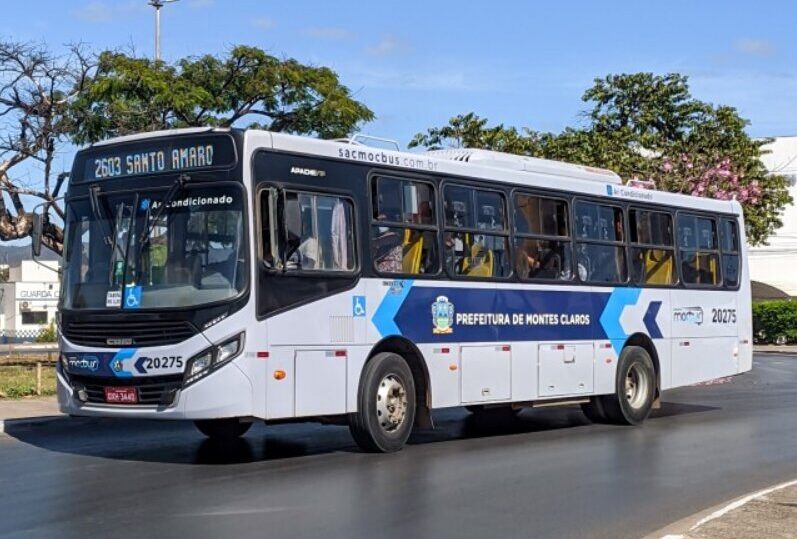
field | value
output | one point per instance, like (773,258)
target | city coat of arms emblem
(442,316)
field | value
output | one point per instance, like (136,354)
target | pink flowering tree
(718,180)
(722,179)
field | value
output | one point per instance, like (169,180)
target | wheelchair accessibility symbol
(132,297)
(358,306)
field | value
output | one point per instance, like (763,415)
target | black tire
(594,410)
(386,387)
(227,428)
(631,405)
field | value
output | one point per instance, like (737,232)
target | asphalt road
(548,473)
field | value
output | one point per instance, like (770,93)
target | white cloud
(389,44)
(755,47)
(264,23)
(95,12)
(329,32)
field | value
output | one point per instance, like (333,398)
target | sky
(416,64)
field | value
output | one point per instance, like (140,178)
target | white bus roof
(488,165)
(475,163)
(489,158)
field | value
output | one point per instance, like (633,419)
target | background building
(773,267)
(29,300)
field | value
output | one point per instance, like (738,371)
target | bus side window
(542,238)
(476,238)
(404,227)
(600,247)
(698,250)
(729,242)
(316,232)
(652,248)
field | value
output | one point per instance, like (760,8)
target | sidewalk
(27,410)
(770,513)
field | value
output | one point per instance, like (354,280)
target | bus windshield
(171,248)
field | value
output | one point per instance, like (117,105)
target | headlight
(228,350)
(212,358)
(200,363)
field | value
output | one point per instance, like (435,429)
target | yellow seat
(411,251)
(711,270)
(479,263)
(658,267)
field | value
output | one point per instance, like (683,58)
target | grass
(27,359)
(20,381)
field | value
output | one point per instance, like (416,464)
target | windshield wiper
(99,213)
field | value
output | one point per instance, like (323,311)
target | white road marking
(234,512)
(734,505)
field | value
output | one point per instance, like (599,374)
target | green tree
(648,126)
(471,131)
(247,88)
(48,333)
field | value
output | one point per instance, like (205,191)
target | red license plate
(121,395)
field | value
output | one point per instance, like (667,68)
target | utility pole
(158,4)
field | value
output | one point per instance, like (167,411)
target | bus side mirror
(36,234)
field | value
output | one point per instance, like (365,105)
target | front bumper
(226,392)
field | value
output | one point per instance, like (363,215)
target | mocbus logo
(89,363)
(688,315)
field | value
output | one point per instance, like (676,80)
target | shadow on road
(180,443)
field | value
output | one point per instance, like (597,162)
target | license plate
(121,395)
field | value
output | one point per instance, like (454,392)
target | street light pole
(158,4)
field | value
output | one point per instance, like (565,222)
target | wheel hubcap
(636,386)
(391,403)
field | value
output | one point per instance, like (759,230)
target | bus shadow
(464,425)
(672,409)
(176,443)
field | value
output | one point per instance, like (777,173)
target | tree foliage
(48,101)
(37,91)
(247,87)
(648,126)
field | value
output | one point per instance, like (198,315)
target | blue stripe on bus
(385,315)
(650,320)
(619,299)
(484,315)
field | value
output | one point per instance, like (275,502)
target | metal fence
(20,335)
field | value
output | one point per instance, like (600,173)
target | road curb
(784,351)
(5,424)
(680,528)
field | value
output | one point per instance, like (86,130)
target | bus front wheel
(635,388)
(385,405)
(220,429)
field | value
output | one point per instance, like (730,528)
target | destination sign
(159,156)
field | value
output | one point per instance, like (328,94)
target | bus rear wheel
(385,404)
(635,388)
(222,429)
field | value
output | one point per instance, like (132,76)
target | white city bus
(227,276)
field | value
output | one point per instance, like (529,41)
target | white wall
(776,263)
(31,288)
(30,270)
